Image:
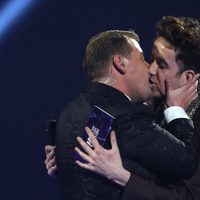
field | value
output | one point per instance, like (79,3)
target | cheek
(162,74)
(165,75)
(145,71)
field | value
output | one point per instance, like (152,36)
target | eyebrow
(159,57)
(162,60)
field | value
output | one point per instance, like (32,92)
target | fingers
(90,154)
(191,89)
(51,164)
(196,77)
(166,86)
(194,81)
(50,160)
(193,95)
(92,137)
(49,156)
(113,140)
(52,171)
(97,155)
(86,157)
(86,166)
(90,163)
(95,143)
(49,148)
(85,146)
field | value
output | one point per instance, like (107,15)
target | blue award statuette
(100,123)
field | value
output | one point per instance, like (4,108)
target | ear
(119,64)
(187,76)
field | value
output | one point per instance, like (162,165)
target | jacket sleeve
(141,189)
(163,153)
(66,133)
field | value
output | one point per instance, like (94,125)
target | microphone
(50,131)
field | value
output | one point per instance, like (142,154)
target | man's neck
(106,80)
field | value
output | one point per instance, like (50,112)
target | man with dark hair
(120,83)
(175,58)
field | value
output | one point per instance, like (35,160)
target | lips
(152,82)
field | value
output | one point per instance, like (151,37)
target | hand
(184,95)
(50,160)
(105,162)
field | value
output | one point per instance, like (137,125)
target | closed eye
(161,63)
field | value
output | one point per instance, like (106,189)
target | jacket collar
(106,91)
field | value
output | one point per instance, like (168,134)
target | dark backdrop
(40,62)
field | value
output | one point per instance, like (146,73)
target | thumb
(166,87)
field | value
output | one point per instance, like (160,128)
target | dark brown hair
(184,34)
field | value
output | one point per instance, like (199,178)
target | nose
(153,67)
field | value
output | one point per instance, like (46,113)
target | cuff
(174,112)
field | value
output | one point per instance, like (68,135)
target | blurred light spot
(11,11)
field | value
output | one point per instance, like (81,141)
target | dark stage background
(40,62)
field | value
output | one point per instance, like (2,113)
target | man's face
(137,78)
(163,67)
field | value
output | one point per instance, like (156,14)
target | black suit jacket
(145,147)
(141,189)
